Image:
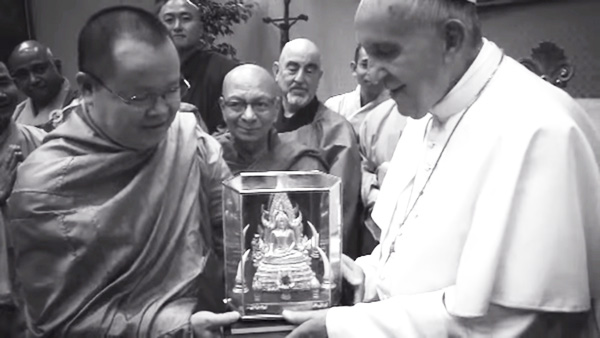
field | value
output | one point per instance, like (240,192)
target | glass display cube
(282,242)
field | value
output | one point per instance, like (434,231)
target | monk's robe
(279,156)
(377,141)
(205,72)
(320,128)
(48,117)
(28,138)
(504,240)
(350,106)
(111,242)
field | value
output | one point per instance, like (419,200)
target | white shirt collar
(470,84)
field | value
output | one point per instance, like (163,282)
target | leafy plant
(219,18)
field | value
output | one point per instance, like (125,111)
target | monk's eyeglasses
(240,106)
(148,99)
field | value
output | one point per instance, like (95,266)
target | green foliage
(219,18)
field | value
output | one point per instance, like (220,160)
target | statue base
(265,327)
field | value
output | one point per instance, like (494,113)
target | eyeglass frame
(272,102)
(154,96)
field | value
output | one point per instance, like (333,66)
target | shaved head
(251,76)
(28,48)
(298,73)
(250,105)
(35,71)
(301,46)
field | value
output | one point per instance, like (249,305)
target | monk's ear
(86,85)
(353,66)
(58,65)
(275,68)
(222,103)
(454,35)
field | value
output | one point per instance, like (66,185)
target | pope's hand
(311,323)
(8,170)
(355,276)
(208,325)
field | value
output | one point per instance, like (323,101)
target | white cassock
(505,239)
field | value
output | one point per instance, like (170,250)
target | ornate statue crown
(280,203)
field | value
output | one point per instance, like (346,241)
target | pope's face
(407,57)
(140,70)
(9,95)
(182,19)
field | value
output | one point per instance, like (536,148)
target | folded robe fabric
(109,241)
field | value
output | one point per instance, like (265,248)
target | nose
(3,98)
(161,107)
(300,75)
(33,79)
(249,115)
(177,25)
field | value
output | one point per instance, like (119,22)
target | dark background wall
(574,25)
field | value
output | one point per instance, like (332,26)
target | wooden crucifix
(284,24)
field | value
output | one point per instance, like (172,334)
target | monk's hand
(382,171)
(209,325)
(311,323)
(355,276)
(8,171)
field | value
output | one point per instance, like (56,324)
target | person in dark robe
(250,104)
(37,73)
(304,119)
(16,142)
(111,217)
(205,70)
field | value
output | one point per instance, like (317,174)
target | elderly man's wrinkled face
(298,74)
(9,95)
(407,57)
(136,104)
(36,74)
(182,19)
(360,71)
(250,107)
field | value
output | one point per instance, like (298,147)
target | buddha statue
(282,253)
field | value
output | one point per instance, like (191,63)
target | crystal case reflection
(282,242)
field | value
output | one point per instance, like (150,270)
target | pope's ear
(455,33)
(275,68)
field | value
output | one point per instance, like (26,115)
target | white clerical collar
(470,84)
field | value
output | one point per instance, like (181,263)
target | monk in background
(111,218)
(16,142)
(37,73)
(304,119)
(250,104)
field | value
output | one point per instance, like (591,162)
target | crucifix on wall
(284,24)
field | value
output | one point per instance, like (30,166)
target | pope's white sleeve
(422,315)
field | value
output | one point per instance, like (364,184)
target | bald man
(304,119)
(37,74)
(204,69)
(16,142)
(250,104)
(489,228)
